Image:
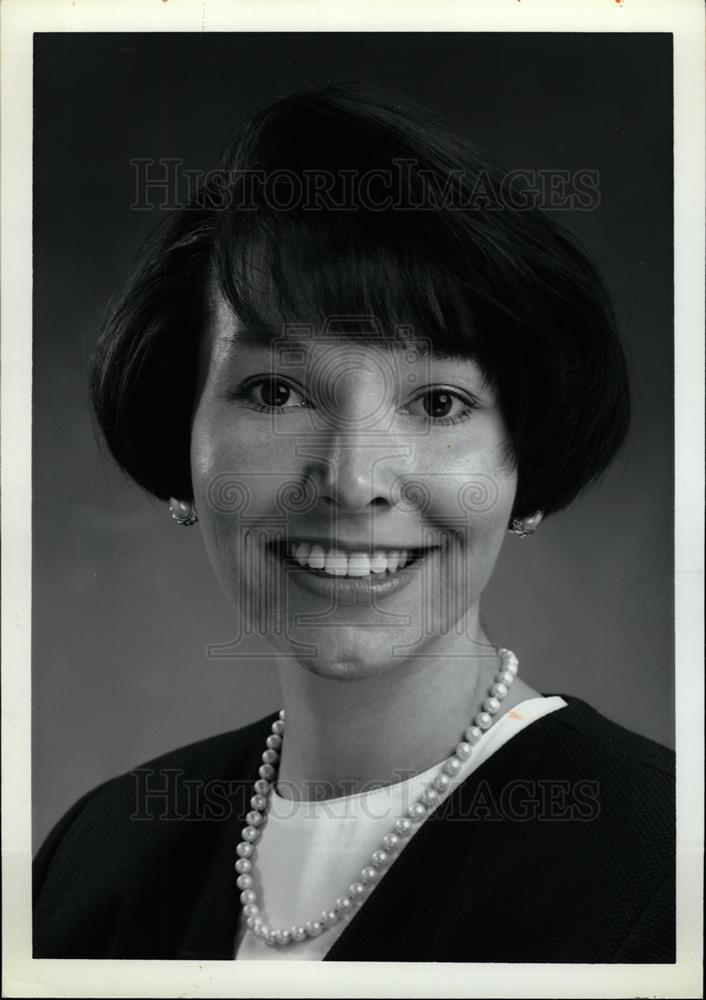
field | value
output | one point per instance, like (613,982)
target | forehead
(228,337)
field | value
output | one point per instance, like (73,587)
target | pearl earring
(523,527)
(183,511)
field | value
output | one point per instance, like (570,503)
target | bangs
(361,276)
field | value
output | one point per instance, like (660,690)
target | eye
(442,406)
(269,393)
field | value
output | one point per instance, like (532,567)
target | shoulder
(601,738)
(628,769)
(582,813)
(123,844)
(166,778)
(630,777)
(576,748)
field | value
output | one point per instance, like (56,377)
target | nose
(354,472)
(352,463)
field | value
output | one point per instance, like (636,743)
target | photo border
(24,976)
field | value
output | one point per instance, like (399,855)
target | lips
(350,576)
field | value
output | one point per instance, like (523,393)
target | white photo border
(24,976)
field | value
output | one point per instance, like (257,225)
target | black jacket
(559,848)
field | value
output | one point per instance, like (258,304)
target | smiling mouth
(321,561)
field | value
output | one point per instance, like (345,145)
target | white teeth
(358,564)
(378,564)
(317,557)
(301,553)
(336,563)
(354,564)
(393,561)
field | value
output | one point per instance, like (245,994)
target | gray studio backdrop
(124,603)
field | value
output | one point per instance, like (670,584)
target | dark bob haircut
(352,201)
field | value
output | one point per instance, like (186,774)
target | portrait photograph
(362,526)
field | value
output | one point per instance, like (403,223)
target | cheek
(225,462)
(474,490)
(221,491)
(236,479)
(473,508)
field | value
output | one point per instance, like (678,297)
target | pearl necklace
(391,844)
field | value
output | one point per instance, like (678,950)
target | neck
(343,738)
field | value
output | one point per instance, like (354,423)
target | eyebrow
(250,337)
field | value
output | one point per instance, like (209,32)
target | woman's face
(353,496)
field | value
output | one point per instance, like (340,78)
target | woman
(359,358)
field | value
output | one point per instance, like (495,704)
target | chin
(346,671)
(349,661)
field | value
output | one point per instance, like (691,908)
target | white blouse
(310,852)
